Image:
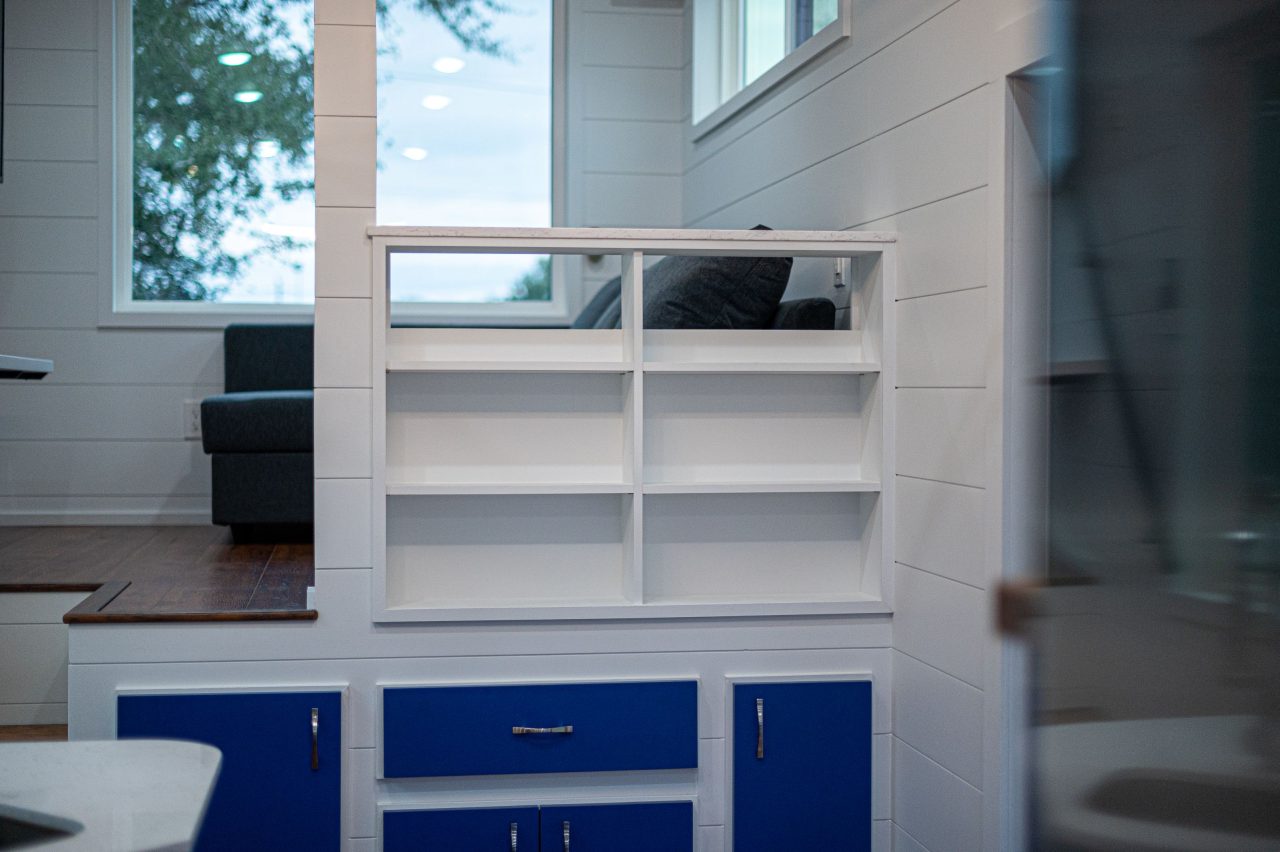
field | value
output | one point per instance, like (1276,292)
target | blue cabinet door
(658,827)
(470,830)
(274,791)
(802,766)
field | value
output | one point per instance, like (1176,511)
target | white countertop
(125,794)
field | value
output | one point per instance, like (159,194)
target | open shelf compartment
(761,548)
(469,552)
(709,432)
(507,433)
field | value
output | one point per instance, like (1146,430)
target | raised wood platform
(159,573)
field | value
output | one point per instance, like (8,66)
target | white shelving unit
(631,473)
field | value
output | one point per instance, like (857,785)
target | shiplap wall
(627,110)
(896,129)
(101,438)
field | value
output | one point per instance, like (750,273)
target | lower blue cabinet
(281,778)
(663,827)
(648,827)
(802,766)
(470,830)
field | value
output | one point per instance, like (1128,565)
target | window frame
(118,309)
(717,61)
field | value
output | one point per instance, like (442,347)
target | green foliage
(534,285)
(196,170)
(195,166)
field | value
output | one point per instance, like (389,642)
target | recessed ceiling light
(415,153)
(266,149)
(448,65)
(234,58)
(248,97)
(436,101)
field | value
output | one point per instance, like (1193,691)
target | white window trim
(714,53)
(116,307)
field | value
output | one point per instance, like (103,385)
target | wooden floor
(32,733)
(159,573)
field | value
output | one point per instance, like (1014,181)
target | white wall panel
(942,245)
(50,77)
(50,132)
(29,411)
(637,41)
(941,529)
(58,24)
(942,153)
(941,622)
(943,340)
(939,716)
(342,523)
(641,201)
(934,806)
(49,189)
(652,94)
(356,12)
(29,244)
(123,357)
(48,300)
(942,434)
(632,147)
(344,79)
(103,468)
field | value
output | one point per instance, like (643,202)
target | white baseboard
(110,517)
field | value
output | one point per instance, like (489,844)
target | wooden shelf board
(761,367)
(447,366)
(420,489)
(776,487)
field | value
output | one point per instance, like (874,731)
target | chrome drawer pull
(566,836)
(315,738)
(515,840)
(759,729)
(521,730)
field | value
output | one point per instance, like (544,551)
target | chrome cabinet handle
(521,730)
(315,738)
(515,839)
(759,729)
(566,836)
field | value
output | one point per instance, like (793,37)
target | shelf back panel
(468,551)
(504,427)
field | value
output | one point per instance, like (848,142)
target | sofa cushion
(268,357)
(258,422)
(263,488)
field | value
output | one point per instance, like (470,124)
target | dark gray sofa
(259,433)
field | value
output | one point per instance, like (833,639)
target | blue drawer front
(471,830)
(812,789)
(267,795)
(661,827)
(466,730)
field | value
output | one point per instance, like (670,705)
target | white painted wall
(900,128)
(99,440)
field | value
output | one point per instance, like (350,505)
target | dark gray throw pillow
(698,292)
(714,292)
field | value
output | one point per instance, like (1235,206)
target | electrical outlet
(191,419)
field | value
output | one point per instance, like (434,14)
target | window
(744,47)
(213,198)
(465,133)
(216,138)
